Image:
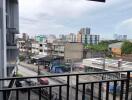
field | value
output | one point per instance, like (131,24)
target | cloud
(125,27)
(64,16)
(46,15)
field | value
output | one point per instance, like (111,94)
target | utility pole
(103,65)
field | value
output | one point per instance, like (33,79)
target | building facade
(9,27)
(115,49)
(40,38)
(71,37)
(51,38)
(73,51)
(120,37)
(58,48)
(84,36)
(79,37)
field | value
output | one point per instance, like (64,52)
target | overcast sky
(65,16)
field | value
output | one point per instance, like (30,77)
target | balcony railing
(83,86)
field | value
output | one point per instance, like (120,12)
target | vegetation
(21,58)
(18,75)
(101,47)
(126,47)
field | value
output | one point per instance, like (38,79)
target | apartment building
(84,36)
(58,47)
(9,27)
(68,50)
(71,37)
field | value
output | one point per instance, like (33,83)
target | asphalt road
(26,72)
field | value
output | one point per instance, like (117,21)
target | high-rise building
(84,36)
(25,36)
(41,38)
(79,37)
(51,38)
(85,30)
(9,26)
(62,37)
(92,39)
(71,37)
(120,37)
(84,33)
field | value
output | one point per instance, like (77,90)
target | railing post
(83,93)
(68,80)
(107,91)
(127,85)
(100,91)
(92,89)
(60,90)
(4,95)
(122,89)
(77,81)
(39,93)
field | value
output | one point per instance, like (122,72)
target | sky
(68,16)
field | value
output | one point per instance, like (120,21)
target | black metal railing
(83,86)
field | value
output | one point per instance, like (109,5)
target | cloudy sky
(65,16)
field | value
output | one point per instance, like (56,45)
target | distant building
(85,37)
(25,46)
(79,37)
(51,38)
(92,39)
(62,37)
(58,47)
(40,38)
(71,37)
(115,48)
(25,36)
(120,37)
(68,50)
(84,30)
(35,48)
(45,48)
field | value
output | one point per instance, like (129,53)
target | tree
(126,47)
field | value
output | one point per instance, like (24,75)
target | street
(26,72)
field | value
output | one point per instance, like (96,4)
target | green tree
(126,47)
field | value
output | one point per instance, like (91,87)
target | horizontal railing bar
(123,79)
(31,87)
(67,74)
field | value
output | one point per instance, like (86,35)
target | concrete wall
(73,51)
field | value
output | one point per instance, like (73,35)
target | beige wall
(73,51)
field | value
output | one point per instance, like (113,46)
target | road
(26,72)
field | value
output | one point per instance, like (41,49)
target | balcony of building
(83,86)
